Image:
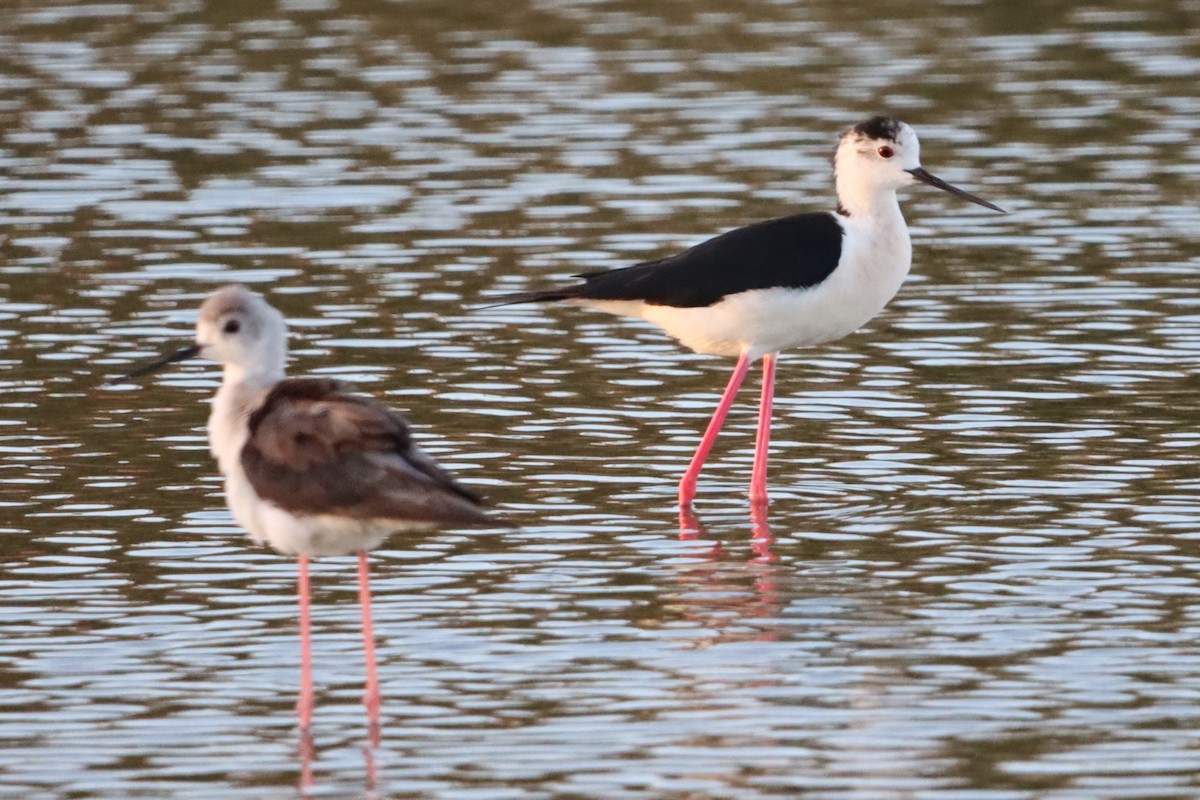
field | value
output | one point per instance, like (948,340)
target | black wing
(314,448)
(794,252)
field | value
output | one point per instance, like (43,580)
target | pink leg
(687,486)
(304,705)
(762,441)
(371,697)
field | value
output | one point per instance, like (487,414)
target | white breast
(227,433)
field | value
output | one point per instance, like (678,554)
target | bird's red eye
(886,151)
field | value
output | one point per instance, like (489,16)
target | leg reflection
(760,543)
(732,596)
(369,752)
(306,752)
(690,529)
(761,538)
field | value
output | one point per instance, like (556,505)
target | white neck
(256,375)
(877,250)
(241,392)
(857,198)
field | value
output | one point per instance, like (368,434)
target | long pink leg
(304,704)
(371,697)
(762,441)
(687,486)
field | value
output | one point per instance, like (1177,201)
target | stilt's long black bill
(190,351)
(924,177)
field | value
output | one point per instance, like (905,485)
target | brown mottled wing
(314,448)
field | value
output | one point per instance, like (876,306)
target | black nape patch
(879,128)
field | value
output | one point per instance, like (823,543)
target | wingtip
(519,298)
(484,518)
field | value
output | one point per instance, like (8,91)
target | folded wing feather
(314,448)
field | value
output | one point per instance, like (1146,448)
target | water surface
(977,578)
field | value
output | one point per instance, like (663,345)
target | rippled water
(978,576)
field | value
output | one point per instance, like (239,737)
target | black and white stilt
(795,281)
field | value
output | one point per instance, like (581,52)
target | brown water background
(982,571)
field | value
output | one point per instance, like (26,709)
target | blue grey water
(978,578)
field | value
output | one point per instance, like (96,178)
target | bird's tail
(547,295)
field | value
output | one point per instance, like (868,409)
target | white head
(239,329)
(877,157)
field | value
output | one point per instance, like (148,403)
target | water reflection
(691,529)
(716,598)
(307,785)
(307,752)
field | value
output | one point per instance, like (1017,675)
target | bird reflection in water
(308,754)
(760,539)
(735,606)
(690,528)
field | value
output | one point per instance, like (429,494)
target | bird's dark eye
(886,151)
(232,326)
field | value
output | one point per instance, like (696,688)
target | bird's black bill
(190,351)
(924,177)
